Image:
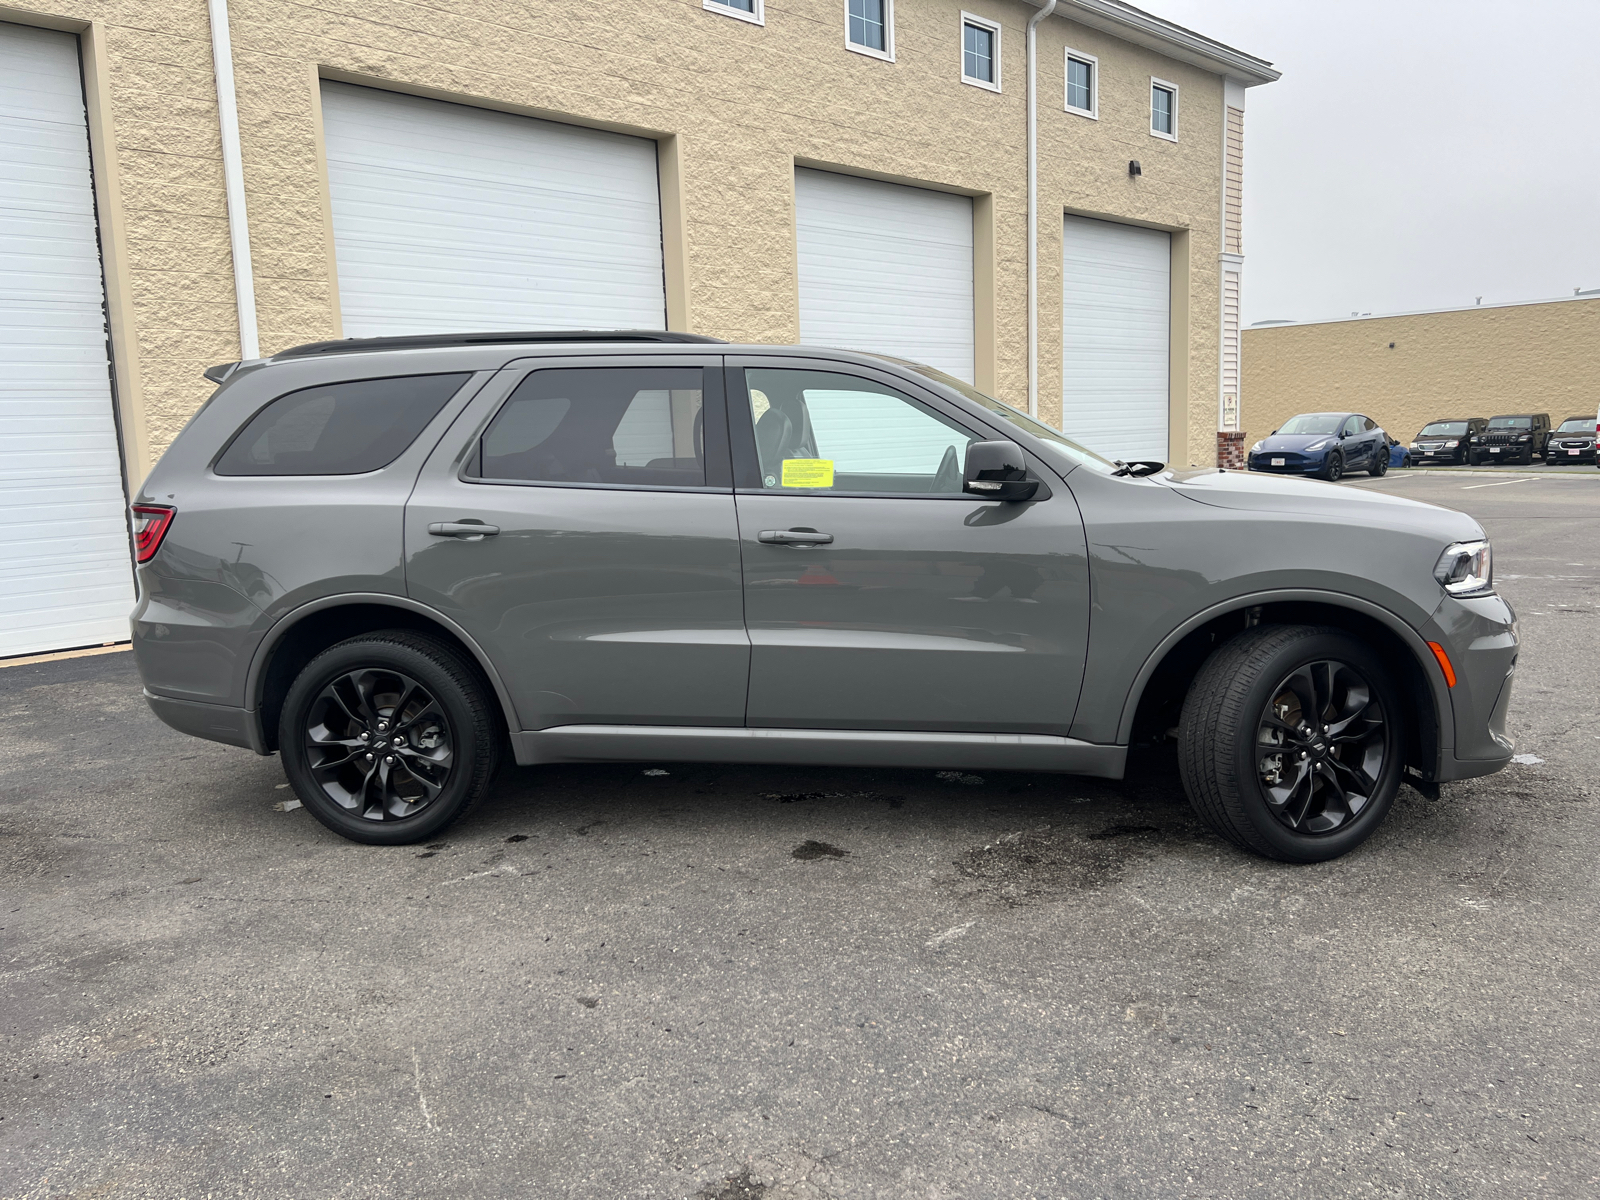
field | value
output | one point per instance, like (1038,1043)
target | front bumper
(1480,636)
(1293,464)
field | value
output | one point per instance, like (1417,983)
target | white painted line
(1473,486)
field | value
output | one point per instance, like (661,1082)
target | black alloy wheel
(390,736)
(379,745)
(1324,744)
(1380,463)
(1333,471)
(1291,742)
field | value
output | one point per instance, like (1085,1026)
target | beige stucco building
(1411,368)
(739,168)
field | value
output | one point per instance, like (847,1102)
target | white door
(1115,331)
(885,267)
(66,578)
(447,217)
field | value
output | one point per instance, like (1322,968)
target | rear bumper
(214,722)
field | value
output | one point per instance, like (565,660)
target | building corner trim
(1033,205)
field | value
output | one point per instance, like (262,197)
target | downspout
(1033,207)
(244,283)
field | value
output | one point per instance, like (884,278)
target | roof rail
(429,341)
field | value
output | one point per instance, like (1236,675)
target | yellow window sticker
(808,472)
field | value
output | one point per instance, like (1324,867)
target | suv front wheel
(389,737)
(1290,742)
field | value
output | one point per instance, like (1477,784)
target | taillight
(150,525)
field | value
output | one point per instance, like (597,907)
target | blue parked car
(1323,444)
(1399,454)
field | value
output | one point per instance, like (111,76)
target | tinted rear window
(339,428)
(639,426)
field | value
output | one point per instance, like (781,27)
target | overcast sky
(1415,154)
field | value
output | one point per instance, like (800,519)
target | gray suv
(396,561)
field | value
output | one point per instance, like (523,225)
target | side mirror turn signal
(998,471)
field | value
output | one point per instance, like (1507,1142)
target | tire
(1333,469)
(1225,768)
(1380,464)
(440,767)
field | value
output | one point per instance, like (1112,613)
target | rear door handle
(793,537)
(468,530)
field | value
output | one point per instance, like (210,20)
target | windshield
(1067,449)
(1444,429)
(1575,425)
(1313,423)
(1510,422)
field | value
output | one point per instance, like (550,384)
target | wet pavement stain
(808,850)
(734,1187)
(1037,865)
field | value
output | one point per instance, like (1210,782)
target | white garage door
(65,572)
(1116,305)
(885,267)
(447,217)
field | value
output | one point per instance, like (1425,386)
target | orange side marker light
(1444,663)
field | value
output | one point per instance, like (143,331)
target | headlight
(1416,446)
(1322,445)
(1452,443)
(1256,449)
(1464,569)
(1526,437)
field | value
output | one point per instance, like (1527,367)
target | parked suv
(1449,440)
(1571,442)
(1512,439)
(397,561)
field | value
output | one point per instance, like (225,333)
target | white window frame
(1176,118)
(758,17)
(1093,61)
(994,53)
(887,53)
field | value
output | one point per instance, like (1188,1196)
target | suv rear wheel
(389,737)
(1290,742)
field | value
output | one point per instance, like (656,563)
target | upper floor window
(1164,109)
(869,27)
(980,52)
(1082,80)
(745,10)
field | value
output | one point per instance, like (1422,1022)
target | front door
(606,587)
(877,594)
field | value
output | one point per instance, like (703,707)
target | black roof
(432,341)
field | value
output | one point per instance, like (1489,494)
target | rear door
(605,584)
(877,594)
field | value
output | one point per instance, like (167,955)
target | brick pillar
(1230,449)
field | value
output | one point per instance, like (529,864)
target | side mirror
(998,471)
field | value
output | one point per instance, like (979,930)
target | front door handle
(467,530)
(793,537)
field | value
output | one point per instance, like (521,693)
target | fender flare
(1444,714)
(285,623)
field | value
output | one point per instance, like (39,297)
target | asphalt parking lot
(729,982)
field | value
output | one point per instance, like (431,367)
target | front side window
(603,426)
(344,428)
(1164,109)
(868,26)
(1081,83)
(980,52)
(817,431)
(745,10)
